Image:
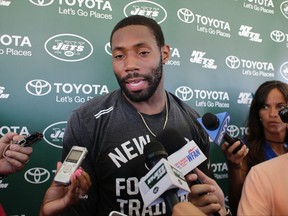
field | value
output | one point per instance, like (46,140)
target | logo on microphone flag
(218,134)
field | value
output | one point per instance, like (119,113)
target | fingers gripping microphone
(216,127)
(173,142)
(163,179)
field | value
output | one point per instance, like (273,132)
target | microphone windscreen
(283,113)
(210,121)
(153,152)
(171,139)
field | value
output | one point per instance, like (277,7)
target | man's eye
(144,53)
(118,56)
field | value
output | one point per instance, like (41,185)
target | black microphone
(172,141)
(283,113)
(154,151)
(212,123)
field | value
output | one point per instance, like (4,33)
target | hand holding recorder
(71,163)
(59,197)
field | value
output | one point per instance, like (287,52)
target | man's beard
(153,79)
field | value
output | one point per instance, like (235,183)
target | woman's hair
(154,27)
(255,136)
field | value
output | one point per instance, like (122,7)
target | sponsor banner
(55,55)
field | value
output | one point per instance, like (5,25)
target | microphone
(216,127)
(283,113)
(183,155)
(163,179)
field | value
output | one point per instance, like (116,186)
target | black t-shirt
(115,135)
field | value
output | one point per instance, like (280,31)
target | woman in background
(266,137)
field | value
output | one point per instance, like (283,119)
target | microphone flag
(218,133)
(161,178)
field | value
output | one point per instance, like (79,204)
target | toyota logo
(37,175)
(38,87)
(184,93)
(185,15)
(232,62)
(233,130)
(42,2)
(277,36)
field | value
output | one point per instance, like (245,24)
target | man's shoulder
(98,103)
(183,105)
(272,165)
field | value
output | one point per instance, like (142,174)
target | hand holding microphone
(208,197)
(163,179)
(187,156)
(216,127)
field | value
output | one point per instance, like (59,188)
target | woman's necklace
(283,149)
(277,153)
(165,122)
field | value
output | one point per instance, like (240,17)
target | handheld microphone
(283,113)
(185,156)
(163,179)
(216,127)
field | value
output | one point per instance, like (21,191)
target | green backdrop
(54,55)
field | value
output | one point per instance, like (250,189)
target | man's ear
(165,53)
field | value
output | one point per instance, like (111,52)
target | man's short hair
(154,27)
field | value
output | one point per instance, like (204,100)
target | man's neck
(153,105)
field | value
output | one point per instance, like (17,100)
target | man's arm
(186,208)
(253,199)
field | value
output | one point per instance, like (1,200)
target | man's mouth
(136,84)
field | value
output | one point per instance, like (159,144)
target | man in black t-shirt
(116,127)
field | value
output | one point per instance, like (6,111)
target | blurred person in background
(266,137)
